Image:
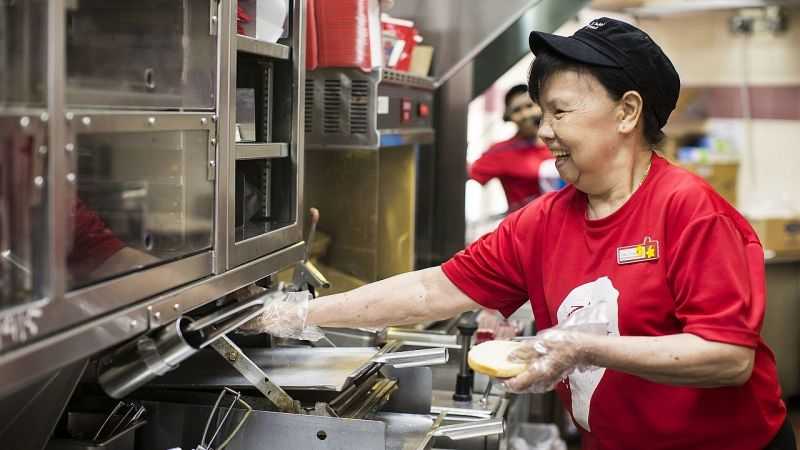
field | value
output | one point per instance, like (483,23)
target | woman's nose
(545,130)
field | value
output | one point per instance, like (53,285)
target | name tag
(646,251)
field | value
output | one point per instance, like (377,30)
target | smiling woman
(601,106)
(680,362)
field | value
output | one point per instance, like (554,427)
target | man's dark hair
(513,92)
(615,80)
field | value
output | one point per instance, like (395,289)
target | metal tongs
(207,444)
(133,411)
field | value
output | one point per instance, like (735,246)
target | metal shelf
(259,150)
(262,48)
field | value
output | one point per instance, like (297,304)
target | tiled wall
(708,55)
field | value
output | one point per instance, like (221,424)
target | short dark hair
(513,92)
(615,80)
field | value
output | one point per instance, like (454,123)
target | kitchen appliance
(365,133)
(118,168)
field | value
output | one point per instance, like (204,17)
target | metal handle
(307,271)
(253,374)
(413,358)
(162,350)
(221,314)
(486,427)
(312,231)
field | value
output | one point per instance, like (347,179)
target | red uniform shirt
(675,258)
(515,163)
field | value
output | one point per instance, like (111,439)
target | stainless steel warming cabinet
(129,201)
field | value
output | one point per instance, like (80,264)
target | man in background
(523,164)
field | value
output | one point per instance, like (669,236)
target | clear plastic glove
(551,356)
(555,353)
(285,316)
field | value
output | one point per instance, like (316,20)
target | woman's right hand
(284,316)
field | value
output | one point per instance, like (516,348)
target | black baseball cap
(612,43)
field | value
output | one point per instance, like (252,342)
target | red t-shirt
(675,258)
(515,163)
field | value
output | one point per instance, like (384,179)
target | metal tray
(306,368)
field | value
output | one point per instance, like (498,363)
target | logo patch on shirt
(646,251)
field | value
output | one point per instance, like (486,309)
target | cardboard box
(421,59)
(721,176)
(779,235)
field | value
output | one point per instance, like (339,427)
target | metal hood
(460,30)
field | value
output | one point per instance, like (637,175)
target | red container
(338,34)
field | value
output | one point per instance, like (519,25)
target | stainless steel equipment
(119,163)
(150,356)
(297,368)
(151,163)
(148,54)
(364,133)
(344,397)
(118,169)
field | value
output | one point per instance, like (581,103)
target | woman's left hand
(551,356)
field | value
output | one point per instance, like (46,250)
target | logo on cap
(595,24)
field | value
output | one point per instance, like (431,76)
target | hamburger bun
(491,358)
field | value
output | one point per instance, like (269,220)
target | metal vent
(309,105)
(359,98)
(331,106)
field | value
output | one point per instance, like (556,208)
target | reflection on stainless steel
(154,355)
(149,189)
(23,200)
(152,54)
(24,53)
(98,318)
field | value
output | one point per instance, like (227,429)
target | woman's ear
(631,105)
